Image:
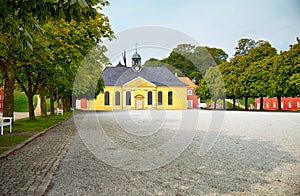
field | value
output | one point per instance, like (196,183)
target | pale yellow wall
(140,88)
(98,104)
(179,97)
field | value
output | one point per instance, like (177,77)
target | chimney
(124,58)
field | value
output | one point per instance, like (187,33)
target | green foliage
(39,124)
(190,61)
(244,46)
(24,43)
(218,54)
(10,140)
(21,102)
(202,90)
(215,84)
(23,129)
(257,71)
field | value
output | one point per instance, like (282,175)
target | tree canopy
(27,42)
(258,71)
(190,61)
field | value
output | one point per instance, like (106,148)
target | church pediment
(139,82)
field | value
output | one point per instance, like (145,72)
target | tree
(258,72)
(285,69)
(202,90)
(76,46)
(248,53)
(190,61)
(218,54)
(20,21)
(215,85)
(230,74)
(244,46)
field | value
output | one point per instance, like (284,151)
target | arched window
(160,98)
(117,98)
(150,98)
(128,98)
(170,98)
(106,98)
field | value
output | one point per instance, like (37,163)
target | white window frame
(189,92)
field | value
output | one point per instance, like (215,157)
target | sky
(213,23)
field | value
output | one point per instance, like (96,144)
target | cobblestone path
(255,154)
(30,169)
(253,159)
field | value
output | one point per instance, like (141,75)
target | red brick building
(287,103)
(1,98)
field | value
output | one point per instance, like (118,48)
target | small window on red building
(190,92)
(298,104)
(290,104)
(274,105)
(267,105)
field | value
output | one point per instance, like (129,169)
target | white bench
(59,111)
(4,122)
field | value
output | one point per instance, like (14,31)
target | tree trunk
(234,103)
(31,106)
(215,104)
(224,104)
(74,102)
(279,102)
(67,103)
(261,103)
(43,100)
(57,99)
(9,85)
(246,103)
(51,101)
(64,102)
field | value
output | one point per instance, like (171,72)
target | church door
(139,104)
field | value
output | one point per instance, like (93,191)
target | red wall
(193,97)
(288,103)
(1,99)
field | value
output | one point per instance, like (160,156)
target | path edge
(29,140)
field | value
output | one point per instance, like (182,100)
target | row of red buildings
(287,103)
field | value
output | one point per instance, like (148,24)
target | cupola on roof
(136,55)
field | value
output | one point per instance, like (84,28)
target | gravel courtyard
(188,152)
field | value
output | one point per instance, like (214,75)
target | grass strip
(25,128)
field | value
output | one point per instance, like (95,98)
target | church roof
(160,76)
(187,81)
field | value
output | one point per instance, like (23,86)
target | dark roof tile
(160,76)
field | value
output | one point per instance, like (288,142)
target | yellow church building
(138,87)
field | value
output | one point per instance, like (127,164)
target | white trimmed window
(190,92)
(106,98)
(267,105)
(298,104)
(274,105)
(290,104)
